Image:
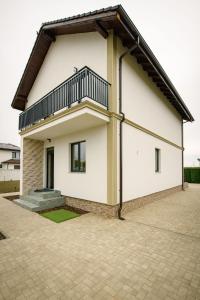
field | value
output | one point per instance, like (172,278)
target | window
(0,166)
(78,163)
(157,160)
(16,167)
(14,155)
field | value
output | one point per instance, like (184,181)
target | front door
(50,168)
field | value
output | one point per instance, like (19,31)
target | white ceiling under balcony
(74,122)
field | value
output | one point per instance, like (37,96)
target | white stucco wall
(5,155)
(144,104)
(139,177)
(7,166)
(67,52)
(91,185)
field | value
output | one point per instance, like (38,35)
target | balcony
(83,84)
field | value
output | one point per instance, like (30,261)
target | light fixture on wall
(49,140)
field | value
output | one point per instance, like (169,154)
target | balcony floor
(56,126)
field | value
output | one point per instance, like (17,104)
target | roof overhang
(102,21)
(10,149)
(11,161)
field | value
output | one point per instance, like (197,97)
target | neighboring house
(9,168)
(9,157)
(101,120)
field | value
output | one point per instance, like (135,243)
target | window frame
(16,167)
(157,160)
(79,155)
(15,155)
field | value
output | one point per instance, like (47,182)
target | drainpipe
(182,144)
(121,131)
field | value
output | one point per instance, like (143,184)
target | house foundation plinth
(111,210)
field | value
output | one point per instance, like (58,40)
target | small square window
(16,167)
(78,157)
(157,160)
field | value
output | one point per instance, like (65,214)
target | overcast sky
(171,29)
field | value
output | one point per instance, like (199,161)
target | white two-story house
(9,157)
(9,167)
(101,121)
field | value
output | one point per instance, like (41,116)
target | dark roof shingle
(11,161)
(4,146)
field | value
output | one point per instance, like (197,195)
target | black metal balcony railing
(84,83)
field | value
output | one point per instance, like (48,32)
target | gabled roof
(4,146)
(101,20)
(11,161)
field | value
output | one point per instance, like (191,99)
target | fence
(8,175)
(192,174)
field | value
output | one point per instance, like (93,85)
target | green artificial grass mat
(60,215)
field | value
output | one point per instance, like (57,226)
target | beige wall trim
(145,130)
(112,160)
(85,104)
(88,104)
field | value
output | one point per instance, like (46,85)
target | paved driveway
(154,254)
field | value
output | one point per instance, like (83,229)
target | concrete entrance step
(45,194)
(42,200)
(27,205)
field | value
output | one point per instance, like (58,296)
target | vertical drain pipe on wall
(182,144)
(121,131)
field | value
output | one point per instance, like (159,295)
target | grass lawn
(60,215)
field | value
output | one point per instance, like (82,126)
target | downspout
(137,44)
(121,131)
(182,145)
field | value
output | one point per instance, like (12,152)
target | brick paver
(153,254)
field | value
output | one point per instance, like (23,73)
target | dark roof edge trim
(132,31)
(151,57)
(26,67)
